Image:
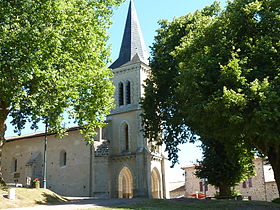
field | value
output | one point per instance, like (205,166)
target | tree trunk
(2,182)
(274,160)
(225,191)
(3,117)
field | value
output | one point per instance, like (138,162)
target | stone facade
(271,191)
(178,192)
(120,164)
(254,188)
(59,173)
(193,184)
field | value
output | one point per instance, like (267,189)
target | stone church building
(121,163)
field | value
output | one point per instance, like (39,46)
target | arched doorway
(125,183)
(156,184)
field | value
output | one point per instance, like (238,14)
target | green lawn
(29,197)
(192,204)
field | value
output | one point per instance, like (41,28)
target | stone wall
(271,191)
(71,179)
(101,178)
(178,192)
(254,188)
(192,184)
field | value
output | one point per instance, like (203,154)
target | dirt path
(83,204)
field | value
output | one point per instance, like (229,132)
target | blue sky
(149,13)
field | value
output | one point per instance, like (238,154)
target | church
(121,163)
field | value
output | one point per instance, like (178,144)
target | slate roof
(132,42)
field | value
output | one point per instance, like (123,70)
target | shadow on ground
(194,204)
(148,204)
(51,199)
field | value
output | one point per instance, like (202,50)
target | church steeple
(133,45)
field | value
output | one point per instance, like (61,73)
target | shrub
(276,200)
(233,195)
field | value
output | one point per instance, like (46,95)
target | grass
(193,204)
(29,197)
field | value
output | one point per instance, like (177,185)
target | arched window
(63,158)
(15,165)
(128,93)
(121,97)
(126,137)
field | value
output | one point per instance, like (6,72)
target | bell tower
(131,162)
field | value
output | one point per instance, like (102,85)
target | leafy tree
(225,166)
(53,59)
(228,78)
(161,104)
(232,77)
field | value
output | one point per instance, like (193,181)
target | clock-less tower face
(128,81)
(130,71)
(134,171)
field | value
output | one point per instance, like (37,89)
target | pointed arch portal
(156,184)
(125,183)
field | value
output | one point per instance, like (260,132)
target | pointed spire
(132,42)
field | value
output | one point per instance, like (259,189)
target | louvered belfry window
(121,98)
(128,93)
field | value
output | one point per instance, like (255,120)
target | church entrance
(156,184)
(125,183)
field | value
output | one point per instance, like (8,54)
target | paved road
(83,204)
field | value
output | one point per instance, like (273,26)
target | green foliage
(2,182)
(234,194)
(231,77)
(276,200)
(53,60)
(225,165)
(233,71)
(161,104)
(217,74)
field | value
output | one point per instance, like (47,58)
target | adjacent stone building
(262,186)
(121,163)
(176,189)
(178,192)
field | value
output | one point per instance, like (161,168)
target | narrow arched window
(63,158)
(15,165)
(128,93)
(126,137)
(121,97)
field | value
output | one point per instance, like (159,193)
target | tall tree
(228,77)
(225,166)
(161,104)
(232,77)
(53,59)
